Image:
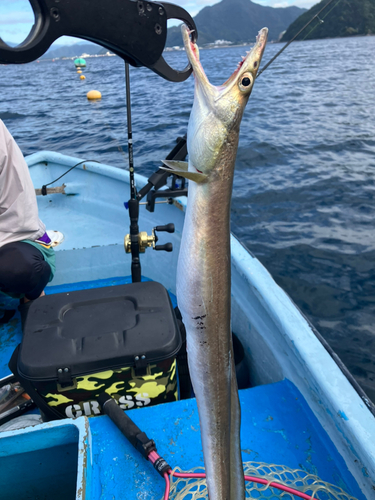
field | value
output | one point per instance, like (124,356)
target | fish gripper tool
(135,30)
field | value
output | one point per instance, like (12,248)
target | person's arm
(19,218)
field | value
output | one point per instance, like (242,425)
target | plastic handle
(168,228)
(168,247)
(161,67)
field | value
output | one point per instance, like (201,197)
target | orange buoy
(94,94)
(79,71)
(82,77)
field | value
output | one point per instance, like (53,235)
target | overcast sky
(16,16)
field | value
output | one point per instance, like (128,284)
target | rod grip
(135,436)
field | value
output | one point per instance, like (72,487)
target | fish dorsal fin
(181,168)
(177,165)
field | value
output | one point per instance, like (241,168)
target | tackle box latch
(140,365)
(64,379)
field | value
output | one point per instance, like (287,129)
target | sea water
(304,188)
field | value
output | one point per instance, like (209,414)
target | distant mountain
(237,21)
(350,17)
(74,50)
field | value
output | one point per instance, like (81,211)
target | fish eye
(245,82)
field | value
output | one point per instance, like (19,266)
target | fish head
(217,110)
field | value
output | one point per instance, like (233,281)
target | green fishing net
(195,489)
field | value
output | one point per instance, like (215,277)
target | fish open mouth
(192,53)
(257,49)
(250,62)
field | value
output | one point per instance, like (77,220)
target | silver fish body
(203,273)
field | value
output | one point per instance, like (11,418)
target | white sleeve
(19,218)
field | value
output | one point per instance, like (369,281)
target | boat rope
(300,31)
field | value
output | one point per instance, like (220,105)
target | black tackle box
(122,340)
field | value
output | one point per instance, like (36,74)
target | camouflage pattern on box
(159,385)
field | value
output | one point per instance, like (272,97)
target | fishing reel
(149,240)
(136,242)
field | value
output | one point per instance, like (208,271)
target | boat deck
(278,427)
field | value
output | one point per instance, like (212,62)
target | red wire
(195,475)
(201,475)
(153,456)
(279,486)
(167,486)
(248,478)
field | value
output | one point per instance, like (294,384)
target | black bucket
(242,372)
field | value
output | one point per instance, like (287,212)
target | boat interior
(288,418)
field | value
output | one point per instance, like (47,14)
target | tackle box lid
(88,331)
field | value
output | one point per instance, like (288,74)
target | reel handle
(168,228)
(168,247)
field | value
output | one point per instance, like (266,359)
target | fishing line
(112,138)
(295,36)
(119,147)
(321,20)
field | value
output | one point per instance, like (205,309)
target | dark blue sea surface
(304,189)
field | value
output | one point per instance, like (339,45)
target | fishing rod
(136,242)
(295,36)
(133,189)
(145,26)
(133,203)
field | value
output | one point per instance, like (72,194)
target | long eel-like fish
(203,273)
